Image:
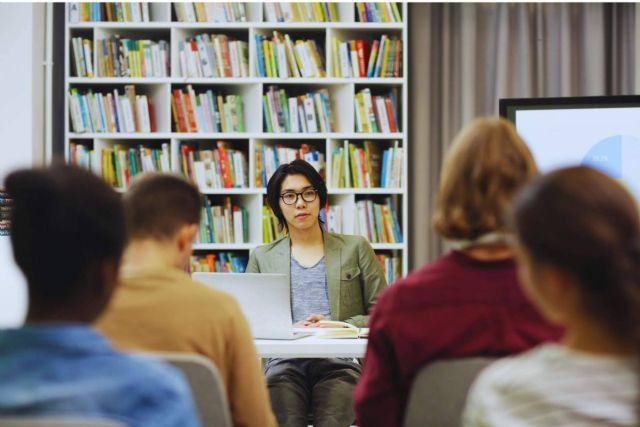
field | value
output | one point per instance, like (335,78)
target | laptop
(265,300)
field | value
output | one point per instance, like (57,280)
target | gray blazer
(354,276)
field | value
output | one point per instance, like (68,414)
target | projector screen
(603,132)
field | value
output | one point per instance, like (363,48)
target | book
(340,330)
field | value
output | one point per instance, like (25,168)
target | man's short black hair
(63,221)
(156,205)
(296,167)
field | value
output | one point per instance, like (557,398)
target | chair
(55,421)
(439,392)
(206,386)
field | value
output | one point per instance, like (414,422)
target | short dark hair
(296,167)
(157,205)
(64,220)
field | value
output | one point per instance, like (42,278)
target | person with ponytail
(467,302)
(578,249)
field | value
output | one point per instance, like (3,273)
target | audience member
(468,302)
(67,233)
(578,247)
(157,307)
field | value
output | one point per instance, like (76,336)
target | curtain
(465,57)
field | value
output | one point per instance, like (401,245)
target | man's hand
(310,322)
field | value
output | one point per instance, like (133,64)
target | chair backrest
(439,392)
(54,421)
(206,386)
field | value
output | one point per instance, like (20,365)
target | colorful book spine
(219,262)
(224,223)
(206,112)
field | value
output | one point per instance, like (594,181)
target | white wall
(21,127)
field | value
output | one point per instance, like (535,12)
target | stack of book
(214,55)
(82,156)
(355,166)
(82,57)
(221,167)
(268,158)
(220,262)
(106,112)
(131,11)
(270,230)
(206,111)
(377,221)
(314,11)
(120,163)
(282,57)
(210,11)
(122,57)
(357,58)
(5,212)
(376,113)
(226,223)
(308,113)
(391,267)
(378,12)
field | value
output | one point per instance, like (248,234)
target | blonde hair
(485,167)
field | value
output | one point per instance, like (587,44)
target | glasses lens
(289,198)
(309,195)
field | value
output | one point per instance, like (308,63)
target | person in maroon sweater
(468,302)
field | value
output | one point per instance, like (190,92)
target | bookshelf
(163,25)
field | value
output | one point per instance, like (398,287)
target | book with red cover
(193,126)
(225,165)
(181,113)
(361,48)
(152,114)
(392,122)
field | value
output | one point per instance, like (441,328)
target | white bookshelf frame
(347,24)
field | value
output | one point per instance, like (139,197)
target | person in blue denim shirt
(67,233)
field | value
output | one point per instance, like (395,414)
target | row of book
(281,57)
(82,156)
(308,113)
(377,221)
(375,113)
(333,218)
(214,55)
(356,58)
(218,262)
(270,229)
(227,223)
(121,163)
(82,60)
(359,166)
(268,158)
(5,212)
(221,167)
(99,113)
(301,12)
(123,57)
(129,11)
(210,11)
(391,265)
(378,12)
(206,111)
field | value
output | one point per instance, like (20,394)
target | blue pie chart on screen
(619,157)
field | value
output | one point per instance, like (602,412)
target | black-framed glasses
(291,197)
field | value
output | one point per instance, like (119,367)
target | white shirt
(552,385)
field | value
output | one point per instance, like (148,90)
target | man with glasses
(333,277)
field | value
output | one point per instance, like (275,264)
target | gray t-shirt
(309,293)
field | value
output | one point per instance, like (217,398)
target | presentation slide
(605,138)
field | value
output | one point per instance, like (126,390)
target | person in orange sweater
(158,307)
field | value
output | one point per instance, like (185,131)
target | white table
(312,347)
